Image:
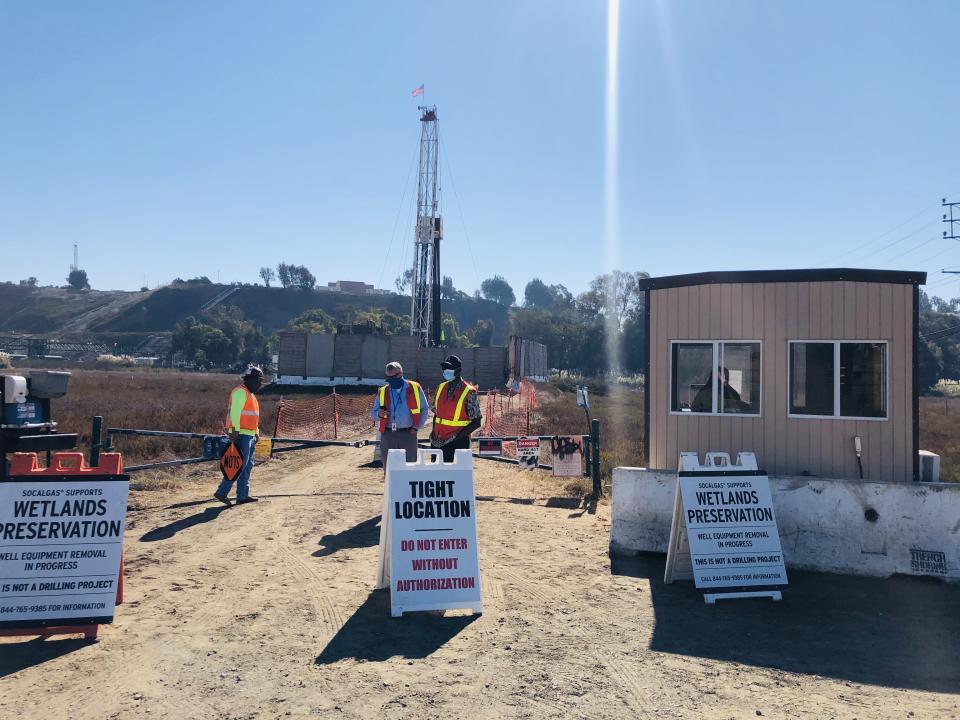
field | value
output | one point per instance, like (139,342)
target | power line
(882,235)
(899,240)
(456,195)
(941,283)
(915,248)
(396,219)
(942,333)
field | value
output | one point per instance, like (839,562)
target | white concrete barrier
(844,526)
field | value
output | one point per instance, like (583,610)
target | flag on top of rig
(418,91)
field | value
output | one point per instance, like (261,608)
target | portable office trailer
(793,365)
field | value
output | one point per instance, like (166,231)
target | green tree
(452,337)
(404,281)
(930,364)
(313,321)
(391,323)
(77,279)
(537,294)
(481,334)
(283,274)
(498,290)
(267,275)
(447,290)
(305,279)
(614,295)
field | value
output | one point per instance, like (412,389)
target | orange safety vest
(450,414)
(413,403)
(249,416)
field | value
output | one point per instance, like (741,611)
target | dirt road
(266,611)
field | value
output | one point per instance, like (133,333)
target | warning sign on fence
(528,452)
(567,456)
(61,540)
(490,446)
(428,534)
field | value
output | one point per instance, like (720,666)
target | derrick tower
(425,312)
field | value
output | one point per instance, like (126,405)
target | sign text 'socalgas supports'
(724,532)
(428,534)
(61,541)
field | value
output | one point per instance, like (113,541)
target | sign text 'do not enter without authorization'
(428,534)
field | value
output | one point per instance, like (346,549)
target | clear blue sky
(185,138)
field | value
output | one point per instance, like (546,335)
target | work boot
(246,500)
(223,498)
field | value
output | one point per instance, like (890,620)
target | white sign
(583,399)
(731,529)
(528,452)
(428,534)
(567,456)
(61,542)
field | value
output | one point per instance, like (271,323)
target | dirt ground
(267,611)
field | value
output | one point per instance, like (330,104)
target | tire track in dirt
(627,678)
(185,606)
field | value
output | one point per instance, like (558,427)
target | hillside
(61,311)
(94,313)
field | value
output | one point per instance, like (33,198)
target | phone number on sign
(27,608)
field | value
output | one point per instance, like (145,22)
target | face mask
(449,375)
(395,382)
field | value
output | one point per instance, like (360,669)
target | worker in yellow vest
(456,410)
(242,424)
(400,408)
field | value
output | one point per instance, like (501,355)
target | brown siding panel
(774,313)
(293,354)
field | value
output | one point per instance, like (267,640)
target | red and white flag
(418,91)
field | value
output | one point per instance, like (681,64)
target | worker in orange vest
(400,408)
(456,410)
(242,424)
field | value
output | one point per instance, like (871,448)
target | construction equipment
(26,424)
(425,312)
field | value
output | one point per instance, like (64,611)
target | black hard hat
(452,362)
(256,372)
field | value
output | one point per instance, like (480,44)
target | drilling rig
(425,312)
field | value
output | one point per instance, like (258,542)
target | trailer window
(863,380)
(838,379)
(692,391)
(715,377)
(811,373)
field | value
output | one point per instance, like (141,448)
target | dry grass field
(154,400)
(619,410)
(940,433)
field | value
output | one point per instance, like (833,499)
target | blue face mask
(449,375)
(395,382)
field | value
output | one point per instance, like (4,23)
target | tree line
(574,327)
(939,350)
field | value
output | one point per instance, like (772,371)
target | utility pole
(425,312)
(952,235)
(76,259)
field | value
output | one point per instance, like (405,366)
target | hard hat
(452,362)
(256,372)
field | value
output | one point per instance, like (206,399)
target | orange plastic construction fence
(509,412)
(331,417)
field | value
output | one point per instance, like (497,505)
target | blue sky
(180,138)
